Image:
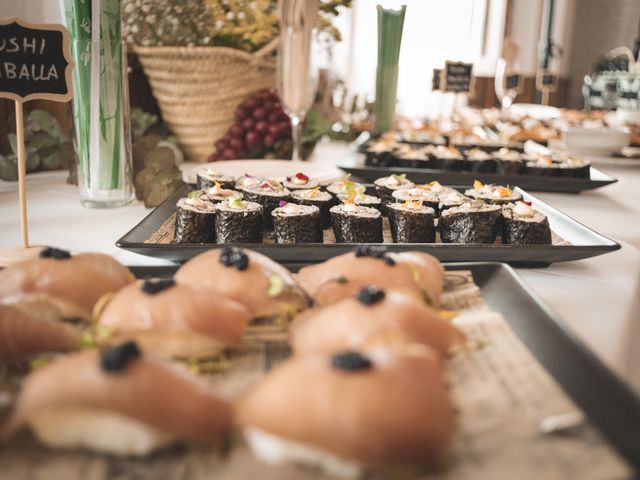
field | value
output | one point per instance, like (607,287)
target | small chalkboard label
(457,77)
(513,81)
(435,79)
(545,80)
(34,61)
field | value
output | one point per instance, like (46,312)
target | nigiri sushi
(351,322)
(344,276)
(73,283)
(266,288)
(117,402)
(175,320)
(24,333)
(351,411)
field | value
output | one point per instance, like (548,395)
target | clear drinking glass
(102,123)
(297,77)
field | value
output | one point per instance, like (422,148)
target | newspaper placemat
(166,232)
(501,393)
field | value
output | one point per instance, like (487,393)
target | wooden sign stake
(22,174)
(36,65)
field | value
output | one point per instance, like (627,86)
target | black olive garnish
(375,252)
(115,359)
(234,257)
(55,253)
(350,361)
(370,295)
(157,285)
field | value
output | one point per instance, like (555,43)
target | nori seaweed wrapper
(470,226)
(239,226)
(425,162)
(269,203)
(521,232)
(510,167)
(379,159)
(349,227)
(194,226)
(579,171)
(488,165)
(323,205)
(535,169)
(412,226)
(205,183)
(298,228)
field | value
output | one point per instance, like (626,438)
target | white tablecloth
(597,299)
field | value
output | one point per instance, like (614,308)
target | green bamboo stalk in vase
(390,25)
(78,18)
(110,93)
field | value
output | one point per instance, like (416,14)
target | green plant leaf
(315,126)
(44,121)
(276,285)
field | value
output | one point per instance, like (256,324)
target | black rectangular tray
(355,166)
(585,243)
(607,401)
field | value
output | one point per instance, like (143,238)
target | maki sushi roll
(299,182)
(356,224)
(208,177)
(218,193)
(413,157)
(448,158)
(268,194)
(574,167)
(344,186)
(423,136)
(297,223)
(361,198)
(423,195)
(451,198)
(314,197)
(245,181)
(238,221)
(509,162)
(480,161)
(195,220)
(379,153)
(474,222)
(412,222)
(385,186)
(542,166)
(492,193)
(523,225)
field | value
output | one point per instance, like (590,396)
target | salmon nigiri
(73,283)
(416,273)
(352,322)
(381,409)
(118,402)
(175,320)
(266,288)
(25,333)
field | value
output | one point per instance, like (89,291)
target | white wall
(38,11)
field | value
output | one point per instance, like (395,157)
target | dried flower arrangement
(243,24)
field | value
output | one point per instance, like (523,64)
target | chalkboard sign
(435,79)
(545,80)
(458,77)
(34,61)
(513,81)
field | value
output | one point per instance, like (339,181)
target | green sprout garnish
(87,341)
(400,178)
(276,285)
(37,363)
(194,194)
(236,202)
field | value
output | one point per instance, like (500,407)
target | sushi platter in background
(296,219)
(429,157)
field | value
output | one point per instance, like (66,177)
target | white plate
(540,112)
(279,169)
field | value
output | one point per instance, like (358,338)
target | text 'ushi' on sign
(34,61)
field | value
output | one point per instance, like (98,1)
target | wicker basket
(198,88)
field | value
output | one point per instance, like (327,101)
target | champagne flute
(296,76)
